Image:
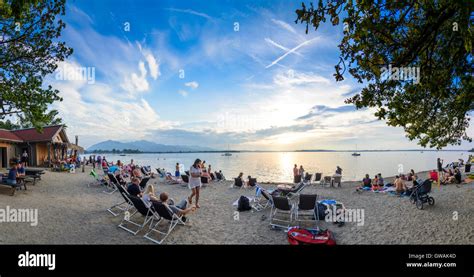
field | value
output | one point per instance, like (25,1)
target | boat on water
(356,154)
(227,154)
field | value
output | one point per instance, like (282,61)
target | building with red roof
(43,148)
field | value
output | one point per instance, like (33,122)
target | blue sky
(211,73)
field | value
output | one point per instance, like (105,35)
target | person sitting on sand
(241,178)
(375,183)
(399,184)
(134,187)
(380,181)
(149,195)
(180,209)
(366,183)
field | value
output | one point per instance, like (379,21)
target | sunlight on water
(277,166)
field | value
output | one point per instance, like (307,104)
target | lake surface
(277,166)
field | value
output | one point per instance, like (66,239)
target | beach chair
(307,178)
(326,181)
(281,209)
(166,214)
(204,181)
(317,177)
(238,183)
(123,206)
(149,214)
(96,177)
(307,206)
(336,180)
(110,187)
(252,182)
(143,183)
(262,199)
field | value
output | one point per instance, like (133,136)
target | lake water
(277,166)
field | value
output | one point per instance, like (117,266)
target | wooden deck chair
(166,216)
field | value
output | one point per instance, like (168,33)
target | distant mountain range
(144,146)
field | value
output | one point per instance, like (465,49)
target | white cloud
(192,85)
(136,83)
(183,93)
(153,65)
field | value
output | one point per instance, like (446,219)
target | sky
(221,74)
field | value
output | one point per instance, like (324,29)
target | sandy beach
(70,212)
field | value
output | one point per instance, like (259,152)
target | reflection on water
(278,166)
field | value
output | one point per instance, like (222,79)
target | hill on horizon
(144,146)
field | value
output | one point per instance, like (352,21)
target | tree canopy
(30,49)
(384,40)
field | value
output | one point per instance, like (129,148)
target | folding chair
(336,180)
(326,181)
(307,178)
(166,214)
(262,199)
(317,177)
(307,205)
(123,206)
(111,188)
(143,183)
(140,208)
(97,179)
(238,183)
(281,207)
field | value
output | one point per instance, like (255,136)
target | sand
(70,212)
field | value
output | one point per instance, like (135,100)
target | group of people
(131,175)
(240,182)
(298,173)
(17,168)
(451,173)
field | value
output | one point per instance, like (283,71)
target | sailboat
(356,154)
(227,154)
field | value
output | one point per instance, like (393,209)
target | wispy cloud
(182,92)
(193,12)
(284,25)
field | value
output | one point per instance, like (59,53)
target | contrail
(291,51)
(280,46)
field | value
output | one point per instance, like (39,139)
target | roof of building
(32,135)
(7,135)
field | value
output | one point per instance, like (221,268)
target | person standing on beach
(24,158)
(440,170)
(301,172)
(296,172)
(177,173)
(195,181)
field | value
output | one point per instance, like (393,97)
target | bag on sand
(243,204)
(300,236)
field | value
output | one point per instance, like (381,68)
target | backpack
(243,204)
(300,236)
